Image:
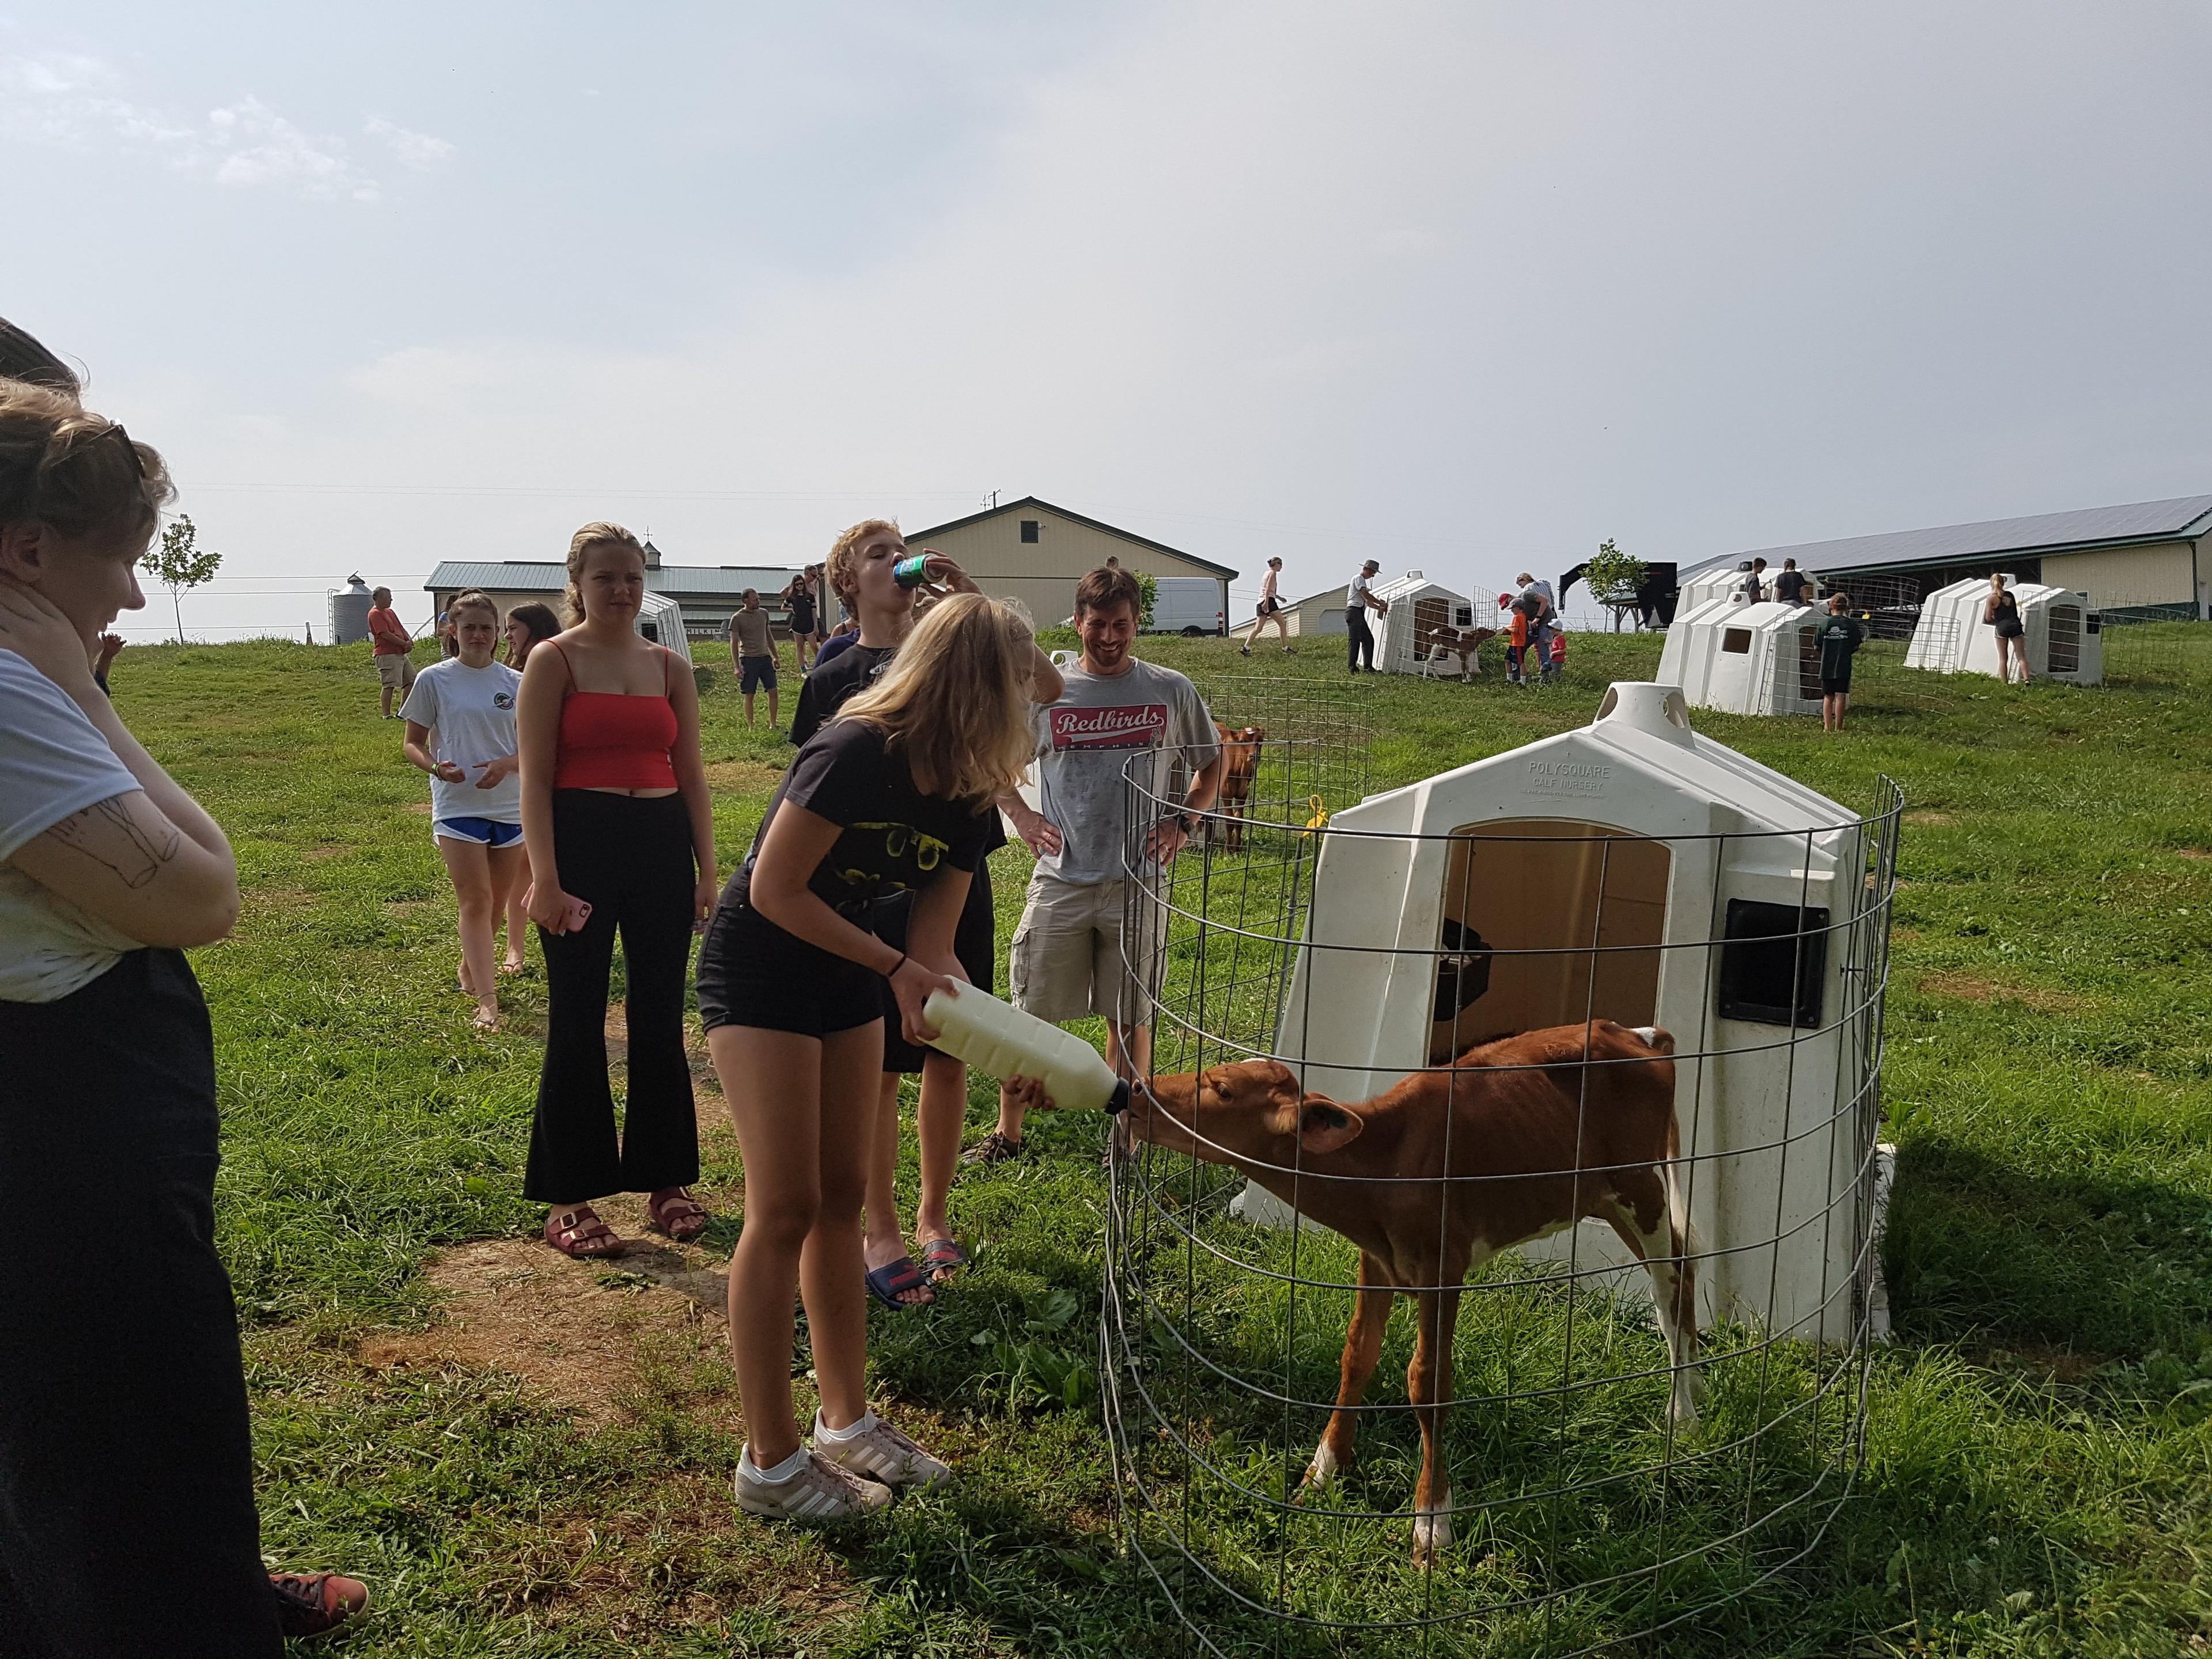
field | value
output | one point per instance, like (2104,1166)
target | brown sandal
(580,1234)
(677,1215)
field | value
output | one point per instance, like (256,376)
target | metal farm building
(2140,561)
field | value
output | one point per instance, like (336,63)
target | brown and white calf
(1466,644)
(1240,767)
(1547,1128)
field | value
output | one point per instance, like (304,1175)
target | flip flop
(944,1258)
(884,1284)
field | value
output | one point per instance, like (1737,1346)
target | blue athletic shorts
(755,672)
(482,831)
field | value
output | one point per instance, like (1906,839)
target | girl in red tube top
(616,817)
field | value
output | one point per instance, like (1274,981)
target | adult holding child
(1071,958)
(127,1520)
(865,569)
(895,795)
(621,836)
(461,730)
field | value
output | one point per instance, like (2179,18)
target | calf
(1545,1129)
(1240,765)
(1465,644)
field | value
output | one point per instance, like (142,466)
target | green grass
(2037,1477)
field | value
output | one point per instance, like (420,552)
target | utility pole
(992,501)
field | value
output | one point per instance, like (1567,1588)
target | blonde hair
(838,570)
(956,699)
(63,467)
(474,599)
(599,533)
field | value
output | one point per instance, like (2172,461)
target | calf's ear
(1324,1125)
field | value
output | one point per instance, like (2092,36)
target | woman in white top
(127,1522)
(1271,609)
(460,730)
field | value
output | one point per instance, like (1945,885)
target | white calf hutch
(2061,635)
(1418,608)
(1636,872)
(1745,658)
(1631,871)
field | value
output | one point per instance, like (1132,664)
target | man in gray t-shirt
(1068,956)
(752,649)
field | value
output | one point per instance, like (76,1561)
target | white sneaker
(817,1491)
(874,1450)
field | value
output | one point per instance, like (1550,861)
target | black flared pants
(631,858)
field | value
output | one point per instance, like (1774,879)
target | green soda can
(911,572)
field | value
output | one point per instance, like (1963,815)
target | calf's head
(1251,1113)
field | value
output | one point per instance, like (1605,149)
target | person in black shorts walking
(892,796)
(860,571)
(798,606)
(1837,640)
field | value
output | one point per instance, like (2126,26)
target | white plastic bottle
(1000,1041)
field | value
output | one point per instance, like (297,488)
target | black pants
(631,858)
(127,1525)
(1358,642)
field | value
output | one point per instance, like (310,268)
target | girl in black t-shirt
(892,796)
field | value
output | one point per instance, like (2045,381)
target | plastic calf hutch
(660,618)
(1418,608)
(1745,658)
(1631,871)
(2064,638)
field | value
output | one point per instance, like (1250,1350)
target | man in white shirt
(1069,958)
(1358,600)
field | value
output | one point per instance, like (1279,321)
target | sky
(1465,288)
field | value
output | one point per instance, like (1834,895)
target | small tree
(1148,595)
(1614,575)
(178,564)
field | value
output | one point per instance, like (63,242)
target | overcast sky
(1463,288)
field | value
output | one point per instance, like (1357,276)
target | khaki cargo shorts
(395,671)
(1069,958)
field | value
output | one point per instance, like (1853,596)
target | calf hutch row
(1578,1048)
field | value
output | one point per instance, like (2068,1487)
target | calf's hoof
(1322,1471)
(1432,1535)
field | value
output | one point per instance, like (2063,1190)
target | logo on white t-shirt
(502,700)
(1124,725)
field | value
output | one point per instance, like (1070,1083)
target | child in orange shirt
(1516,638)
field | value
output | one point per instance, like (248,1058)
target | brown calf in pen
(1240,766)
(1545,1128)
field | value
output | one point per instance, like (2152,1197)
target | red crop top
(614,740)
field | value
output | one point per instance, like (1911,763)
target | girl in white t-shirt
(460,730)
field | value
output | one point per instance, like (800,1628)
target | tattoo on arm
(136,855)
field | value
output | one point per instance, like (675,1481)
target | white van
(1188,604)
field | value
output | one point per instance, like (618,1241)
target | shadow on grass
(2073,1260)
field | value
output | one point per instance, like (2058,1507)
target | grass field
(524,1456)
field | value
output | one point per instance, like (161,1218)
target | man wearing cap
(1358,599)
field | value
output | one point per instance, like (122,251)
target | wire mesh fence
(1601,1106)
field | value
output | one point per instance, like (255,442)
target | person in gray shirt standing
(1068,957)
(754,647)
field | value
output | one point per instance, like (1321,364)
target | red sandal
(580,1234)
(677,1215)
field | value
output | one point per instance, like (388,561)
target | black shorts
(975,943)
(753,973)
(1835,686)
(1269,607)
(755,671)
